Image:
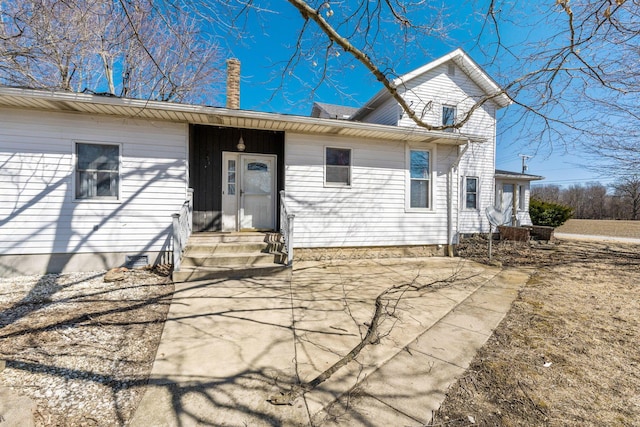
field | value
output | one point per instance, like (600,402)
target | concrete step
(213,238)
(239,260)
(229,255)
(199,249)
(190,274)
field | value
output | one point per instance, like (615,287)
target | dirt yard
(567,352)
(627,229)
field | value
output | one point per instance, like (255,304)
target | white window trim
(464,193)
(455,116)
(324,168)
(432,179)
(74,167)
(522,202)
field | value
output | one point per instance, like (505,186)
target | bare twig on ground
(385,304)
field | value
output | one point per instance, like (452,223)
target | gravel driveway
(81,347)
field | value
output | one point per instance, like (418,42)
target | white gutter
(450,176)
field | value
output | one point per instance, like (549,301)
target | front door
(248,191)
(508,191)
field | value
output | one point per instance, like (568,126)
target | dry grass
(567,352)
(596,227)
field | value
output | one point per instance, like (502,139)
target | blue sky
(270,45)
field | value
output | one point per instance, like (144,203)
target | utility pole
(525,157)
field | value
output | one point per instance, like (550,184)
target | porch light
(241,145)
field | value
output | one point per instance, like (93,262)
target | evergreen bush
(548,214)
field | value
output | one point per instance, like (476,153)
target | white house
(92,182)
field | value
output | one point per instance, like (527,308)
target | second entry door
(508,193)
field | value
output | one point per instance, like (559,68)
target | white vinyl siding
(429,93)
(370,213)
(39,213)
(478,162)
(389,113)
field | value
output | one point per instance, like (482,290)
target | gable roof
(332,111)
(462,60)
(517,176)
(71,102)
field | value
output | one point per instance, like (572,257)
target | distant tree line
(593,200)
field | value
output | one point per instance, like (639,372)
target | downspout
(454,165)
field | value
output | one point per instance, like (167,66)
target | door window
(231,177)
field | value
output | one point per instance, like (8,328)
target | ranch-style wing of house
(92,182)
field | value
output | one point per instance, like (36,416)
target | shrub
(549,214)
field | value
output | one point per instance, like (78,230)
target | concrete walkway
(229,345)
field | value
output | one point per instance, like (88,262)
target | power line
(600,180)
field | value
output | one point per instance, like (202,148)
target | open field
(598,227)
(567,352)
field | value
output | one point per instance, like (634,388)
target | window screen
(338,166)
(97,171)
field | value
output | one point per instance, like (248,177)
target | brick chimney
(233,84)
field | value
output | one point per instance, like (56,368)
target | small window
(420,179)
(97,171)
(231,177)
(258,166)
(448,117)
(471,194)
(521,198)
(338,166)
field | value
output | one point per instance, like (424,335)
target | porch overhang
(71,102)
(515,176)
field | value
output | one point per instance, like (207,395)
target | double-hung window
(420,177)
(471,193)
(448,117)
(97,171)
(337,167)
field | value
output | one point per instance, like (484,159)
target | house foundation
(371,252)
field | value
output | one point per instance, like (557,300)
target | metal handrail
(286,228)
(182,228)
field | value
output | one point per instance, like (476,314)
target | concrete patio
(229,345)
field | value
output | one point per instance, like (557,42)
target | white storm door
(507,202)
(230,191)
(257,192)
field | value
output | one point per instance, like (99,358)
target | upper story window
(471,193)
(420,177)
(337,166)
(97,171)
(448,116)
